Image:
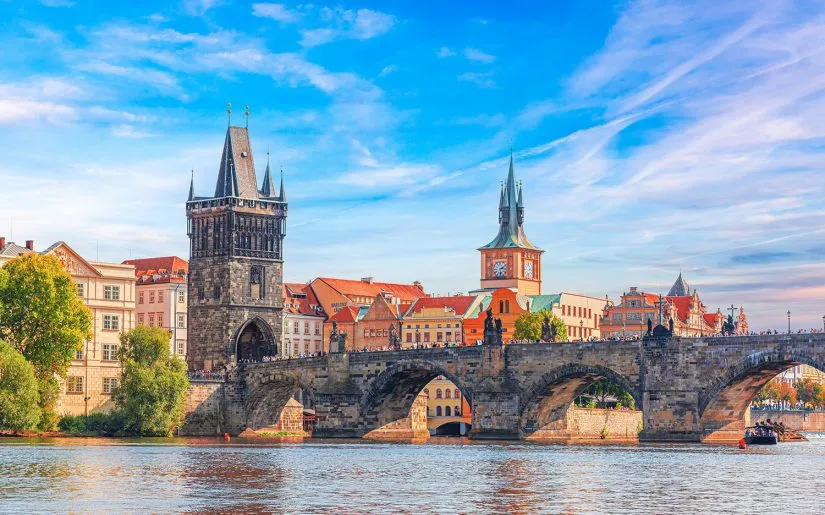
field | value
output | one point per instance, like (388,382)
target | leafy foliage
(602,392)
(18,391)
(43,318)
(528,326)
(150,398)
(96,423)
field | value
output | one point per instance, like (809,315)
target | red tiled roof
(348,314)
(458,303)
(350,288)
(160,269)
(712,318)
(682,306)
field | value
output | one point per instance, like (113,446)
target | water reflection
(202,476)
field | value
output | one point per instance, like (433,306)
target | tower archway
(254,340)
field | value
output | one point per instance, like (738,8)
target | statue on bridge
(492,329)
(649,327)
(337,341)
(670,325)
(395,341)
(546,337)
(728,326)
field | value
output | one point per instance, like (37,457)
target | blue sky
(651,136)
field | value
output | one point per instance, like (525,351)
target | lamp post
(823,323)
(789,321)
(581,330)
(417,337)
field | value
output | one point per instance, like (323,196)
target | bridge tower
(236,261)
(510,260)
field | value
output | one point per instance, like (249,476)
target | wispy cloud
(199,7)
(478,56)
(481,79)
(444,52)
(361,24)
(278,12)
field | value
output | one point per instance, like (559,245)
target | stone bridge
(689,389)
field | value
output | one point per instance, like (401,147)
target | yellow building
(436,320)
(581,314)
(448,412)
(108,289)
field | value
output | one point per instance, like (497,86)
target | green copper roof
(540,302)
(511,217)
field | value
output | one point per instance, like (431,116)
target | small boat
(760,436)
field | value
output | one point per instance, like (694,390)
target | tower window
(256,282)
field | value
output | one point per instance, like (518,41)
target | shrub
(604,433)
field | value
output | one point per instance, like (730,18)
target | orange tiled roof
(348,314)
(160,269)
(460,304)
(712,318)
(682,304)
(351,288)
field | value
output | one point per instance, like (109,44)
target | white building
(303,327)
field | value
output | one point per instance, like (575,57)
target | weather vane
(247,117)
(229,113)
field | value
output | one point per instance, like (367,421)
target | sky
(652,137)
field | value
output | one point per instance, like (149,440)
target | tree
(786,393)
(151,395)
(18,391)
(528,326)
(806,391)
(43,318)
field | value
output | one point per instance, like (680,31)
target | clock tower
(510,260)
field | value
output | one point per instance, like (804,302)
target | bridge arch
(544,406)
(724,405)
(387,405)
(253,340)
(266,402)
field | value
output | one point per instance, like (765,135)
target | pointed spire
(268,188)
(192,186)
(519,201)
(511,214)
(282,195)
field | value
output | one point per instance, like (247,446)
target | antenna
(229,114)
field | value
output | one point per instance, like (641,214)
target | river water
(203,475)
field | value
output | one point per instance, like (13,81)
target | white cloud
(278,12)
(388,70)
(478,56)
(444,52)
(342,23)
(395,176)
(58,3)
(199,7)
(483,80)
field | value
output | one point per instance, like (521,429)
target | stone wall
(796,420)
(213,408)
(588,424)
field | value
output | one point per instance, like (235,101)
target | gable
(381,310)
(72,261)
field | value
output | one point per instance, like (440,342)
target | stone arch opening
(545,408)
(254,340)
(724,406)
(281,403)
(395,404)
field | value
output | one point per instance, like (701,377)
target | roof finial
(247,117)
(192,186)
(229,114)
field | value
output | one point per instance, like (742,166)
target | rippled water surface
(192,476)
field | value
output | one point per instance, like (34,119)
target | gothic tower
(236,262)
(510,260)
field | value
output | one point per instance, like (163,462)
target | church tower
(510,260)
(236,262)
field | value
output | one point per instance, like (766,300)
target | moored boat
(758,435)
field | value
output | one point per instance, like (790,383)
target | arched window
(457,411)
(506,306)
(501,306)
(438,411)
(447,393)
(457,393)
(438,393)
(447,412)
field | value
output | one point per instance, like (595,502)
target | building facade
(161,291)
(303,326)
(448,411)
(108,290)
(510,260)
(581,314)
(437,320)
(236,262)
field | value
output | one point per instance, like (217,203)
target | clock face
(500,269)
(528,269)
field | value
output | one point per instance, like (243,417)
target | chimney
(2,242)
(633,289)
(418,284)
(30,244)
(367,280)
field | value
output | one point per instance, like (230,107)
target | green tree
(528,326)
(806,391)
(18,391)
(150,398)
(42,316)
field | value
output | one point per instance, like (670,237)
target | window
(449,336)
(109,384)
(151,320)
(201,294)
(181,297)
(74,384)
(634,316)
(160,296)
(111,322)
(457,411)
(372,333)
(366,333)
(447,412)
(295,327)
(180,349)
(109,352)
(438,411)
(317,328)
(409,337)
(216,293)
(426,337)
(447,393)
(181,321)
(78,354)
(140,319)
(457,393)
(111,292)
(438,393)
(306,327)
(617,316)
(151,297)
(439,336)
(80,290)
(160,319)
